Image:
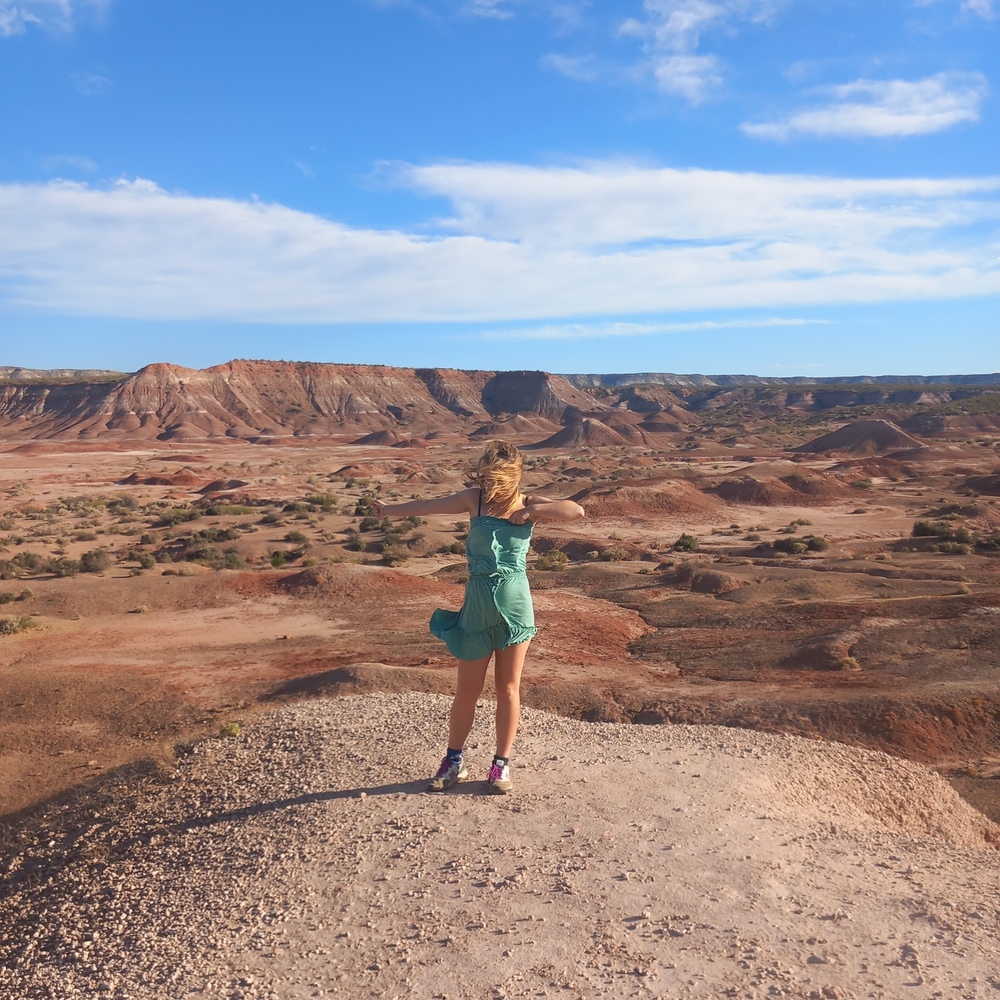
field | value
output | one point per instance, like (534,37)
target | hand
(521,516)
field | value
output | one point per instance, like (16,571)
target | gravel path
(301,859)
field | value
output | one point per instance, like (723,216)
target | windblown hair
(498,475)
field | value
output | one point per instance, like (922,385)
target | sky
(770,187)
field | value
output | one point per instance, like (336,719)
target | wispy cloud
(670,33)
(884,108)
(574,67)
(16,16)
(90,84)
(602,331)
(497,9)
(524,244)
(81,164)
(984,8)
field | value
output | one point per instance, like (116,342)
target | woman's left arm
(543,509)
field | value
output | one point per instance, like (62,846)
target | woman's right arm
(463,502)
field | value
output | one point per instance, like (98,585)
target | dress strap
(479,506)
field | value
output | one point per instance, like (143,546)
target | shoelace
(496,773)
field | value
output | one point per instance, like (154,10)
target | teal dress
(497,610)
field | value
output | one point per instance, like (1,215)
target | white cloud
(670,33)
(620,204)
(79,164)
(497,9)
(573,67)
(984,8)
(56,15)
(601,331)
(885,108)
(524,244)
(568,14)
(692,77)
(91,84)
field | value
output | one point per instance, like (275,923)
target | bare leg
(468,688)
(507,673)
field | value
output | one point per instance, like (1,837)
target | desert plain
(761,752)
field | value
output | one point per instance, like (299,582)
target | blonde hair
(498,476)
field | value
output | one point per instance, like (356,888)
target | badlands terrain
(215,670)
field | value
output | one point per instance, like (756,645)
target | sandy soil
(303,859)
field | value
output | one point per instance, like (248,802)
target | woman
(497,620)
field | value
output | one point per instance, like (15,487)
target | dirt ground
(238,575)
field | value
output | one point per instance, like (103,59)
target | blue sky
(775,187)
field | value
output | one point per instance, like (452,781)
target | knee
(510,693)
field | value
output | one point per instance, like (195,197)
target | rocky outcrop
(266,400)
(252,400)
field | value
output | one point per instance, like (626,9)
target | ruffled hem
(475,645)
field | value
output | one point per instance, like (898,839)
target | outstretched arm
(544,509)
(463,502)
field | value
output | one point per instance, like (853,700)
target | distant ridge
(60,375)
(380,405)
(667,378)
(605,381)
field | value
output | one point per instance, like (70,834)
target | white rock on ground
(302,859)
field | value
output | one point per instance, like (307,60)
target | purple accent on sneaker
(495,773)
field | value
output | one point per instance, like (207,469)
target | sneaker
(498,780)
(449,773)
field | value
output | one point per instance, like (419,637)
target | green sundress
(497,610)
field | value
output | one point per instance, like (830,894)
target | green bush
(614,555)
(327,502)
(554,560)
(296,538)
(214,535)
(952,548)
(990,542)
(95,561)
(817,544)
(686,543)
(790,546)
(228,510)
(28,562)
(369,523)
(63,567)
(931,529)
(11,626)
(176,515)
(394,555)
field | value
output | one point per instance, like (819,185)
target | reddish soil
(877,638)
